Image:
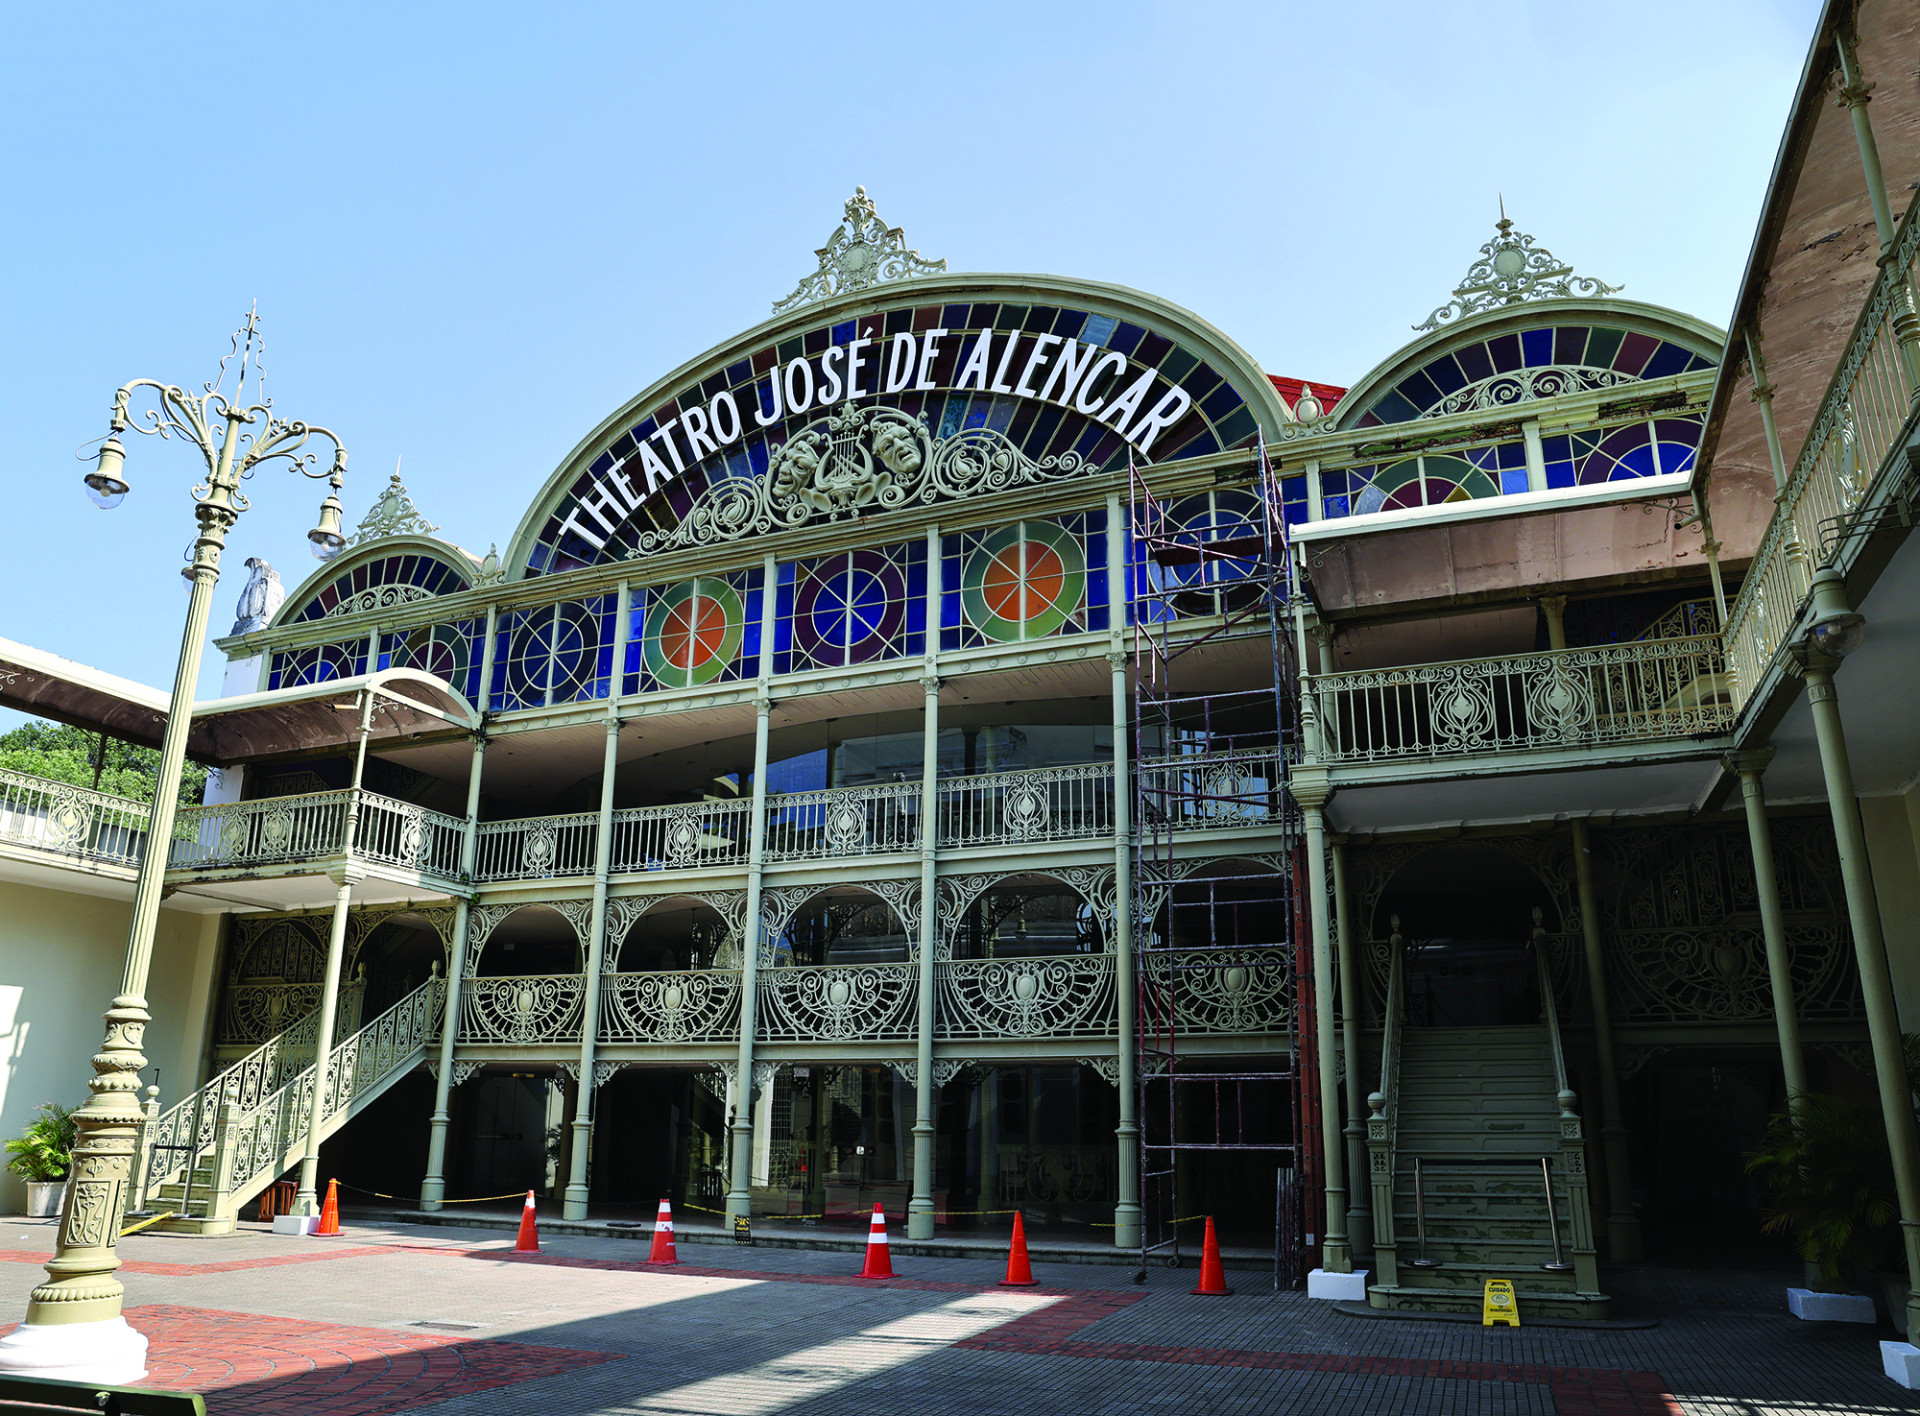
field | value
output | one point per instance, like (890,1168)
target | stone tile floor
(392,1318)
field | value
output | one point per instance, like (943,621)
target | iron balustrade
(1640,691)
(1856,428)
(844,821)
(523,1010)
(1068,995)
(687,836)
(313,827)
(838,1002)
(1212,791)
(537,848)
(692,1005)
(1022,808)
(71,821)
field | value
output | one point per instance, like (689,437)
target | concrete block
(1901,1361)
(1338,1287)
(295,1223)
(1814,1307)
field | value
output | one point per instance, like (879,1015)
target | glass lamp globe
(106,483)
(325,539)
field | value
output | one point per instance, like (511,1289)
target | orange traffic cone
(663,1251)
(1213,1278)
(879,1264)
(1019,1271)
(330,1211)
(529,1240)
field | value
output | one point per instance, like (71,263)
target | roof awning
(1458,552)
(311,718)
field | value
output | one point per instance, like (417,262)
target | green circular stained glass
(693,632)
(1023,581)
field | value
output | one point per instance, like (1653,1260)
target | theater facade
(982,742)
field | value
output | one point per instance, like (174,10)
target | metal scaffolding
(1214,727)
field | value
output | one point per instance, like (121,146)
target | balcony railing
(524,1011)
(838,1003)
(1641,691)
(693,1005)
(682,837)
(71,821)
(537,848)
(1022,808)
(293,829)
(1857,426)
(844,821)
(1212,792)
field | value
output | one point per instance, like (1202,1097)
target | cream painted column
(1749,765)
(1311,789)
(575,1206)
(344,876)
(1623,1226)
(740,1144)
(925,1092)
(1870,954)
(1762,396)
(1555,609)
(1536,455)
(1352,1009)
(1852,95)
(1126,1209)
(433,1187)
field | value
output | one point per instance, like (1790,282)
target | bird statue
(260,598)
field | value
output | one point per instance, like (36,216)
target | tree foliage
(44,1151)
(68,754)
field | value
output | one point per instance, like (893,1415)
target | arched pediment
(914,393)
(393,570)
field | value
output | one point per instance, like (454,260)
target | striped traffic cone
(1019,1270)
(663,1251)
(1213,1277)
(330,1210)
(879,1263)
(528,1241)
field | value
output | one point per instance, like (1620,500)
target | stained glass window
(320,663)
(554,654)
(1509,368)
(858,606)
(447,651)
(705,629)
(1018,338)
(1024,581)
(380,584)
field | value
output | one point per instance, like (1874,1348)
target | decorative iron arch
(958,894)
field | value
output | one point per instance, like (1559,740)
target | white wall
(61,958)
(1893,849)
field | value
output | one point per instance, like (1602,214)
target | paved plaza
(391,1317)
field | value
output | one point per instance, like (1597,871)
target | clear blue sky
(474,230)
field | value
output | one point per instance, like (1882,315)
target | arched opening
(678,933)
(1029,916)
(1466,912)
(534,939)
(396,957)
(842,925)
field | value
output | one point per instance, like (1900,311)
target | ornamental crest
(392,514)
(1511,269)
(862,251)
(854,459)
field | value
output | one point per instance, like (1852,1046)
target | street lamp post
(73,1327)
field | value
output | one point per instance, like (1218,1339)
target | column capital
(763,703)
(1748,761)
(1554,604)
(347,873)
(1117,659)
(930,683)
(1312,787)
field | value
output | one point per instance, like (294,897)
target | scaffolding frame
(1215,916)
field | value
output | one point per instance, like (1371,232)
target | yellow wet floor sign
(1498,1306)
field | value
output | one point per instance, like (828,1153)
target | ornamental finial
(1512,269)
(863,250)
(392,514)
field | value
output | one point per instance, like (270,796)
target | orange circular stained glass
(1024,581)
(693,632)
(1023,578)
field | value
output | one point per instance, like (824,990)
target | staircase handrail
(258,1137)
(1383,1105)
(1573,1141)
(186,1127)
(263,1138)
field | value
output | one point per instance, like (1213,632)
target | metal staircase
(220,1147)
(1480,1168)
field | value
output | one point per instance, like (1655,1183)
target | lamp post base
(109,1352)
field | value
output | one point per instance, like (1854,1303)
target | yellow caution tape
(136,1228)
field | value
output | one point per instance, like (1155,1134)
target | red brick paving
(346,1371)
(1577,1391)
(261,1366)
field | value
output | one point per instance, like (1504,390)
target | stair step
(1535,1301)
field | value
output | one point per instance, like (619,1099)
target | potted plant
(41,1155)
(1829,1180)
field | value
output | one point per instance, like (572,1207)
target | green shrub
(44,1151)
